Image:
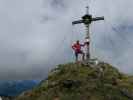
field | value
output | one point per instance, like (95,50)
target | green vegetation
(83,82)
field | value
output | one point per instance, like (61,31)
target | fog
(36,35)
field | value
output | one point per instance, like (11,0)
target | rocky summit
(78,81)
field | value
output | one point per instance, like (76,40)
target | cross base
(91,62)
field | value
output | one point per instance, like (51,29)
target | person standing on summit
(77,49)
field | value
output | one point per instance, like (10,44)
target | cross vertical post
(87,19)
(87,42)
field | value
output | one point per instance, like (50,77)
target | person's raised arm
(82,45)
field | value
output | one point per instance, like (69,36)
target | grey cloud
(36,35)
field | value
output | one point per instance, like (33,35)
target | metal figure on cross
(87,19)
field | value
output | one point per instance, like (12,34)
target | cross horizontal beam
(97,18)
(90,19)
(77,22)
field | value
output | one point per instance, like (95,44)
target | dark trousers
(79,52)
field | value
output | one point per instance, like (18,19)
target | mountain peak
(76,81)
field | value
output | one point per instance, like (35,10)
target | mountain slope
(14,88)
(83,82)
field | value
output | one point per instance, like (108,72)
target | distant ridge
(14,88)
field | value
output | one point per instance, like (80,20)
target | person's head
(77,41)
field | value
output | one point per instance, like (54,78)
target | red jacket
(77,47)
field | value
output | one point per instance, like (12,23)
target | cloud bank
(36,35)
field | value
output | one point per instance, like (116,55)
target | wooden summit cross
(87,19)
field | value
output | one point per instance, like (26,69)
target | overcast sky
(36,35)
